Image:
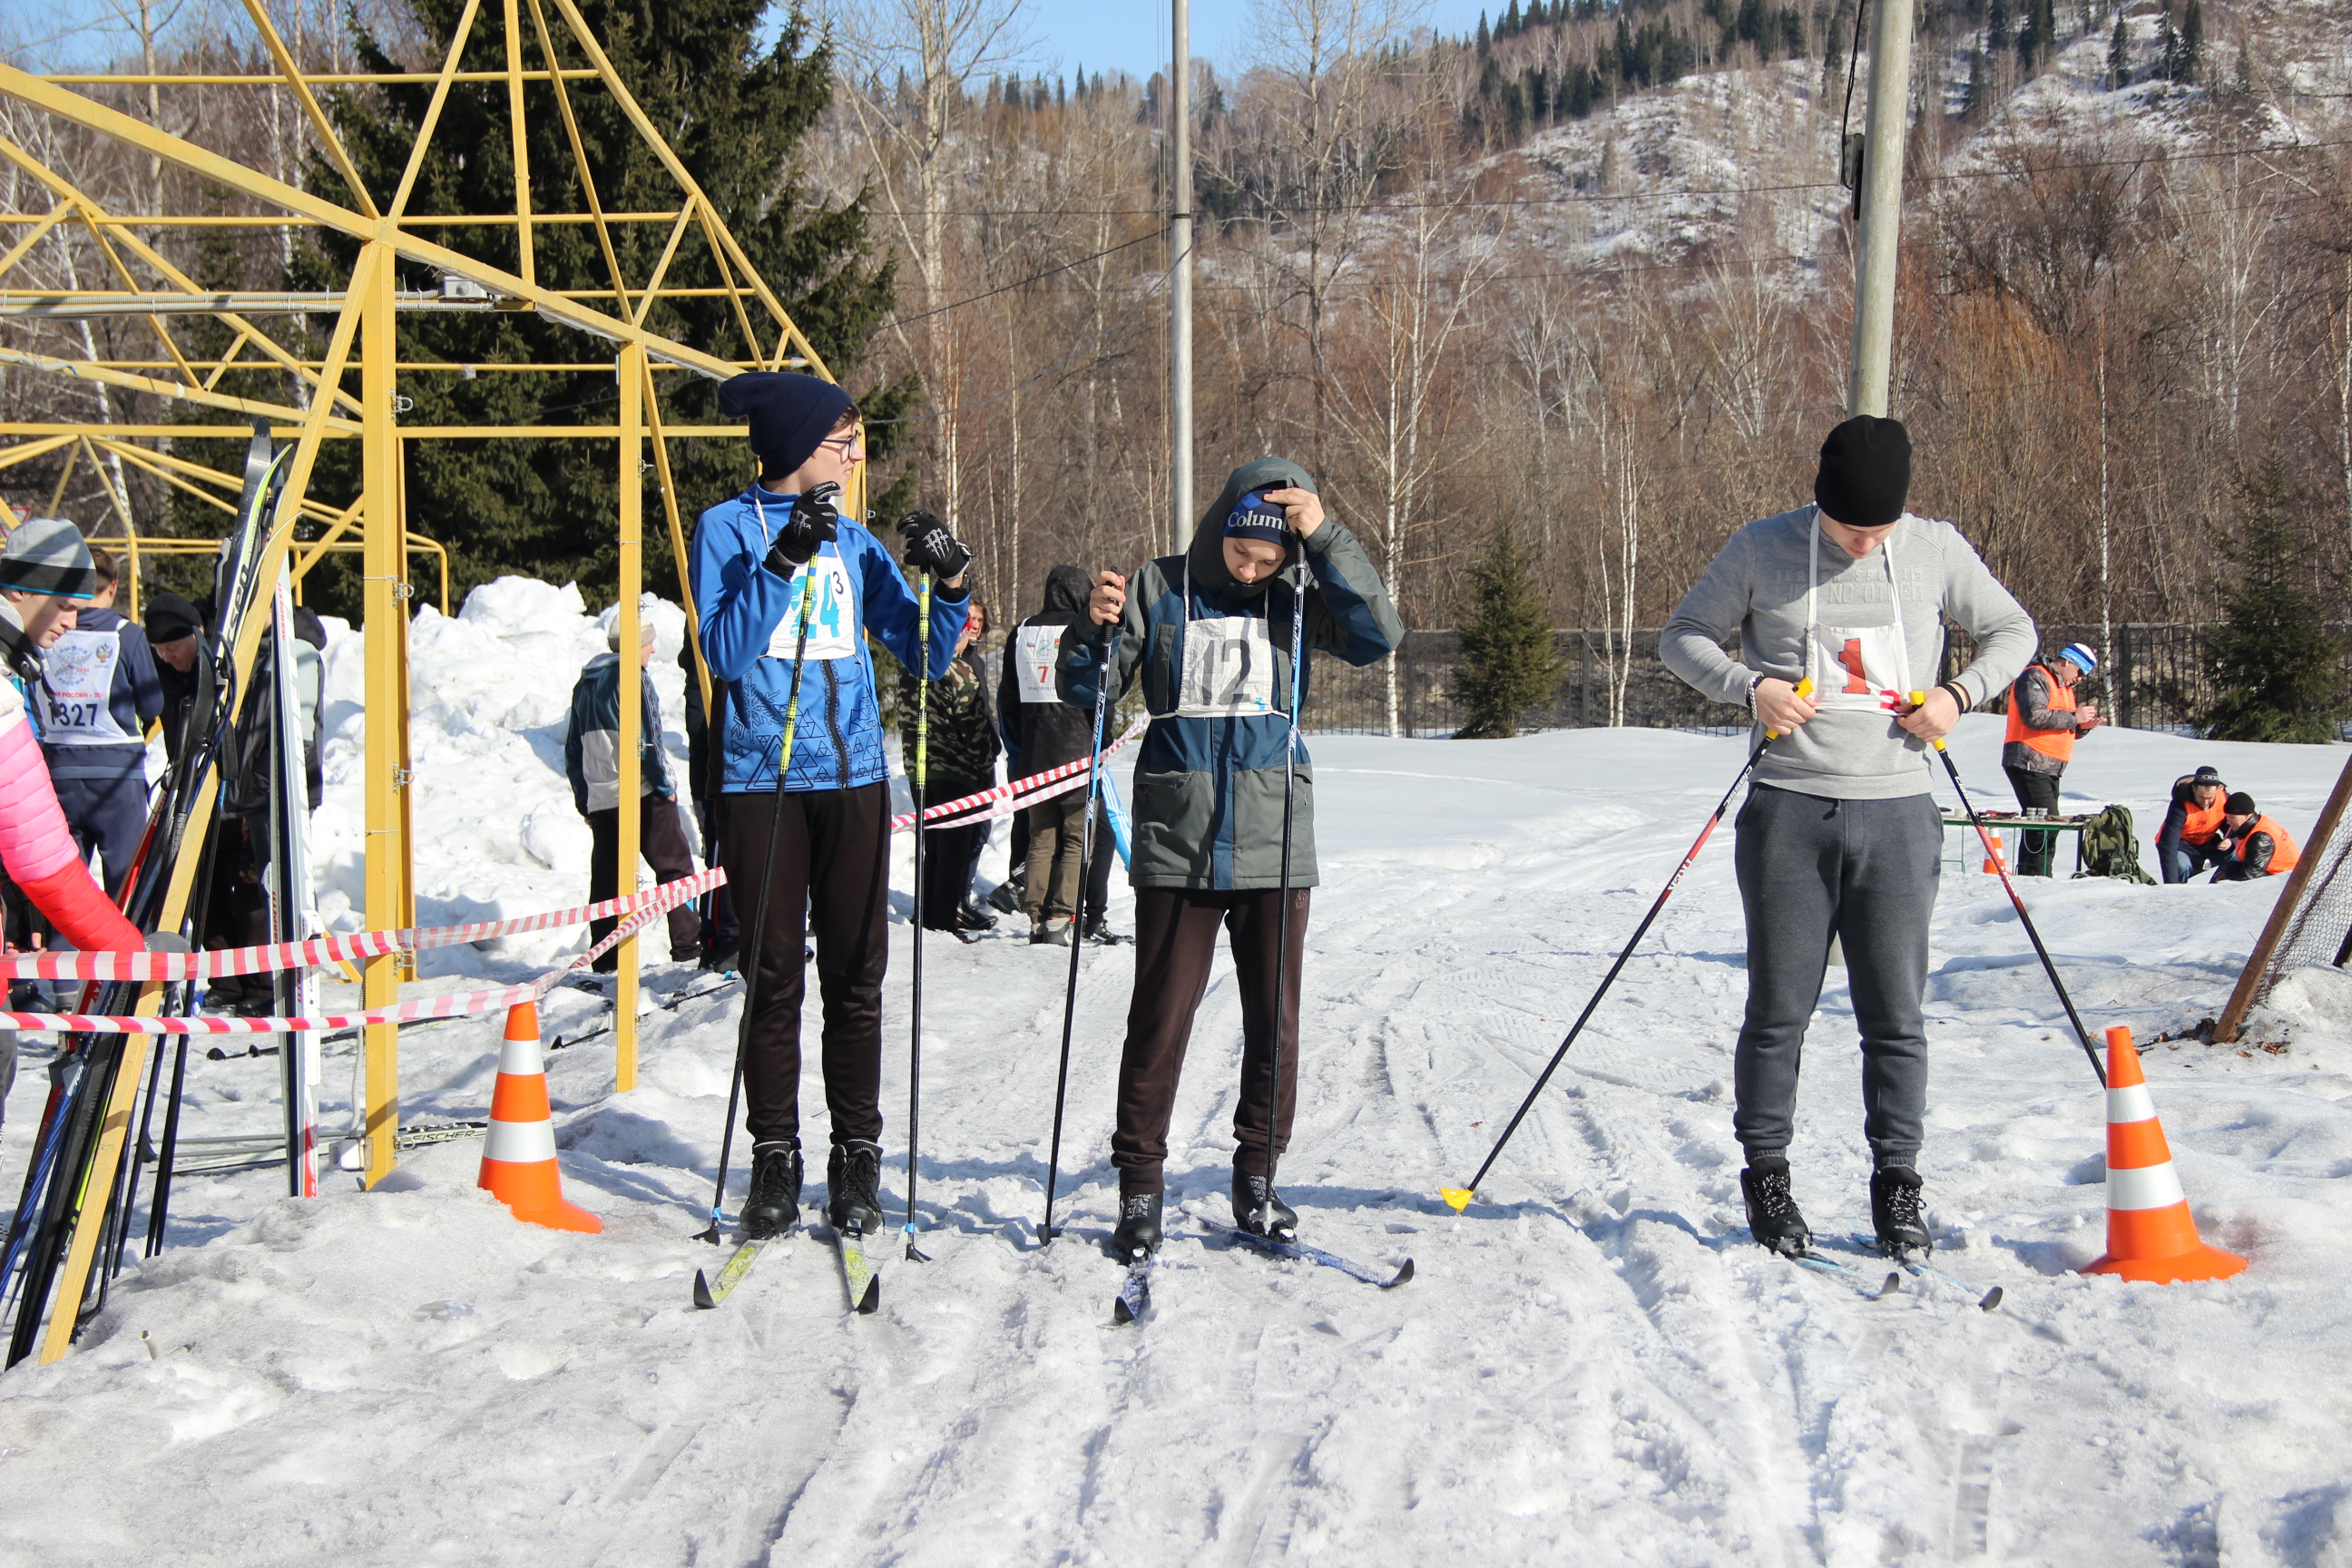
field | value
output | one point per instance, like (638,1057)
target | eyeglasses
(847,443)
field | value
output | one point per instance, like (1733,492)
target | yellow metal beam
(526,262)
(677,552)
(379,611)
(168,390)
(316,78)
(424,146)
(291,76)
(632,372)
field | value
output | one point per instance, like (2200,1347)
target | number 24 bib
(831,614)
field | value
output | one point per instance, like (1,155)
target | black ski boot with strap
(852,1175)
(1898,1212)
(1259,1210)
(1138,1234)
(1772,1216)
(772,1206)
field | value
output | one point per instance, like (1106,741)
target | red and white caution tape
(1019,793)
(360,945)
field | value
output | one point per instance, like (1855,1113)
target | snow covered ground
(1592,1365)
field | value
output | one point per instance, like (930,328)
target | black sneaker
(1252,1201)
(970,916)
(1099,933)
(1898,1212)
(726,960)
(1772,1216)
(1138,1227)
(772,1206)
(851,1175)
(1005,897)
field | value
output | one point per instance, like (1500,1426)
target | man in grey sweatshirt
(1839,837)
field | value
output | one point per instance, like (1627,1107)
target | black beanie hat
(170,618)
(2239,804)
(1865,472)
(789,414)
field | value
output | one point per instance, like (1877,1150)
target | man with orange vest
(2256,845)
(2043,720)
(2189,839)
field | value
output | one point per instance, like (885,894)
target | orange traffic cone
(518,1163)
(1998,860)
(2151,1235)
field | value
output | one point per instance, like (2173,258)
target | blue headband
(1255,517)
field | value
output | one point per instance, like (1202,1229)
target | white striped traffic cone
(2151,1235)
(519,1160)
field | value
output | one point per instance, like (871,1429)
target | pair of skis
(865,1286)
(1133,1302)
(1859,1280)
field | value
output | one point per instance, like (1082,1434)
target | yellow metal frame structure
(365,342)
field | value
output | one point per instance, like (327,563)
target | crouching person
(1209,632)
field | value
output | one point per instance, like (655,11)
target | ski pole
(2001,865)
(922,769)
(1070,991)
(1282,920)
(1459,1197)
(760,915)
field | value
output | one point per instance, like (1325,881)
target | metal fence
(2155,678)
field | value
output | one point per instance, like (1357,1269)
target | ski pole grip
(1919,700)
(1805,688)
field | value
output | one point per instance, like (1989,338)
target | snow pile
(1592,1365)
(497,834)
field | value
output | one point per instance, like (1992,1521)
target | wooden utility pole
(1882,206)
(1180,284)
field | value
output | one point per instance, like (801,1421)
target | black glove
(816,521)
(931,546)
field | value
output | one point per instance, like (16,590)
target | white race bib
(832,618)
(1034,652)
(77,691)
(1228,668)
(1858,669)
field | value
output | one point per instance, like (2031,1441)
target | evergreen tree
(1486,38)
(2279,672)
(1997,37)
(2191,53)
(1508,661)
(2168,44)
(734,115)
(2119,55)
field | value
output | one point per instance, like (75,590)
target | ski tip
(1119,1313)
(1991,1300)
(871,1299)
(1402,1275)
(1894,1282)
(702,1297)
(1459,1197)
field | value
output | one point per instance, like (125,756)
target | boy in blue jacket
(758,558)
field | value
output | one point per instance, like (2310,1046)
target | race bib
(1858,669)
(1034,652)
(1228,668)
(77,691)
(832,618)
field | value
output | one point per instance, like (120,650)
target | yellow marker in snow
(1458,1196)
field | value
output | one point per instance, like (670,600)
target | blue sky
(1132,34)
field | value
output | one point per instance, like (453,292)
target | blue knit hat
(47,555)
(1255,517)
(2081,655)
(789,414)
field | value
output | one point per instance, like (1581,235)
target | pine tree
(2193,43)
(735,116)
(2278,669)
(1486,38)
(2119,55)
(1508,661)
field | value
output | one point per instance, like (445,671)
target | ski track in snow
(1594,1364)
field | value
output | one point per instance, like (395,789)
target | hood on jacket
(1207,554)
(1067,589)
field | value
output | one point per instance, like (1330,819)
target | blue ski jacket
(751,623)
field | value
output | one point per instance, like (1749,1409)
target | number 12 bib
(1228,668)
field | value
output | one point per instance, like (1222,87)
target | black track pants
(1175,941)
(2035,848)
(832,874)
(661,839)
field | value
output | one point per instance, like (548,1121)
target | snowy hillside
(1593,1365)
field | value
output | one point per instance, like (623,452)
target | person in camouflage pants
(963,752)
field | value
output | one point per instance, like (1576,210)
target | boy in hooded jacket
(779,577)
(1209,635)
(1047,733)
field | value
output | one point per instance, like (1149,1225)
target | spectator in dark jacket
(591,760)
(720,935)
(960,760)
(1048,733)
(172,627)
(2190,838)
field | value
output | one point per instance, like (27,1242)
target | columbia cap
(1255,517)
(47,555)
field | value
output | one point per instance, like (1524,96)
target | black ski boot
(772,1206)
(1772,1216)
(1251,1199)
(851,1175)
(1099,934)
(1898,1212)
(1005,897)
(1138,1227)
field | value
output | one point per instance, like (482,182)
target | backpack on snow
(2111,847)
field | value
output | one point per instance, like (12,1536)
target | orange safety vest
(2284,852)
(2198,826)
(2057,744)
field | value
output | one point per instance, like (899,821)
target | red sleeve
(83,915)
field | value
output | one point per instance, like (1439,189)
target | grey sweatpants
(1863,871)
